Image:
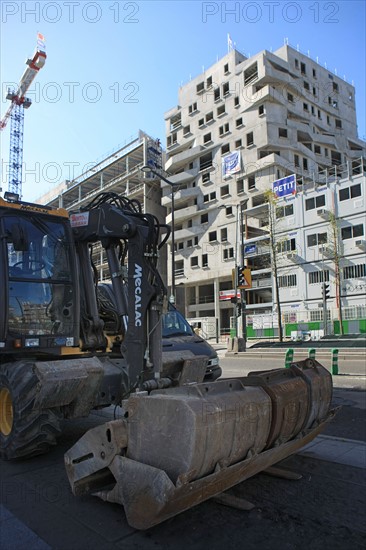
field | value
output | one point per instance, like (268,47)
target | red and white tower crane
(19,102)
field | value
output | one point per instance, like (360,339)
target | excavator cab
(38,271)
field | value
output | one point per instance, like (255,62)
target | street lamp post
(148,170)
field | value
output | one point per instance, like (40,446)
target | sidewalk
(336,449)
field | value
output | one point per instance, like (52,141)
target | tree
(271,199)
(335,252)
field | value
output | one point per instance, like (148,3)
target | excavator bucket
(178,447)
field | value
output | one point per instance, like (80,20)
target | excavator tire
(25,430)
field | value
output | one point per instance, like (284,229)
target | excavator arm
(140,295)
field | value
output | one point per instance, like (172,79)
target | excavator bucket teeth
(181,446)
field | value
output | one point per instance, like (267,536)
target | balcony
(185,157)
(182,214)
(181,196)
(183,177)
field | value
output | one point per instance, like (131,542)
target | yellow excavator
(179,440)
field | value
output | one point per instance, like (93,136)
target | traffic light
(325,291)
(244,277)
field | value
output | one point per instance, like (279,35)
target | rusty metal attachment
(180,446)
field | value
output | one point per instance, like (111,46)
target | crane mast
(15,111)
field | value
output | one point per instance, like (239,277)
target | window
(239,122)
(251,182)
(206,161)
(194,261)
(285,281)
(314,91)
(212,236)
(206,177)
(236,101)
(192,108)
(224,191)
(226,68)
(354,271)
(350,192)
(189,243)
(225,149)
(316,277)
(186,130)
(314,73)
(209,197)
(338,123)
(305,107)
(172,139)
(303,68)
(225,89)
(326,152)
(317,315)
(335,87)
(201,122)
(220,110)
(250,139)
(209,117)
(319,114)
(251,73)
(229,211)
(283,211)
(297,161)
(306,85)
(223,234)
(228,253)
(353,231)
(290,98)
(204,260)
(305,164)
(287,245)
(261,110)
(204,218)
(217,94)
(317,149)
(317,238)
(296,63)
(207,138)
(209,82)
(224,129)
(282,132)
(200,87)
(238,144)
(181,245)
(315,202)
(240,186)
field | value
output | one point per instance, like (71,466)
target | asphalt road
(323,510)
(351,366)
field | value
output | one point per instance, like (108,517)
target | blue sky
(115,67)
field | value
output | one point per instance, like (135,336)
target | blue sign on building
(250,249)
(284,186)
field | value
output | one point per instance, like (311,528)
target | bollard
(289,358)
(311,353)
(334,361)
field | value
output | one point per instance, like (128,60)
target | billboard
(284,186)
(231,164)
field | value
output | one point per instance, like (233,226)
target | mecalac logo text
(138,282)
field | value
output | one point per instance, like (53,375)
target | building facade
(238,127)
